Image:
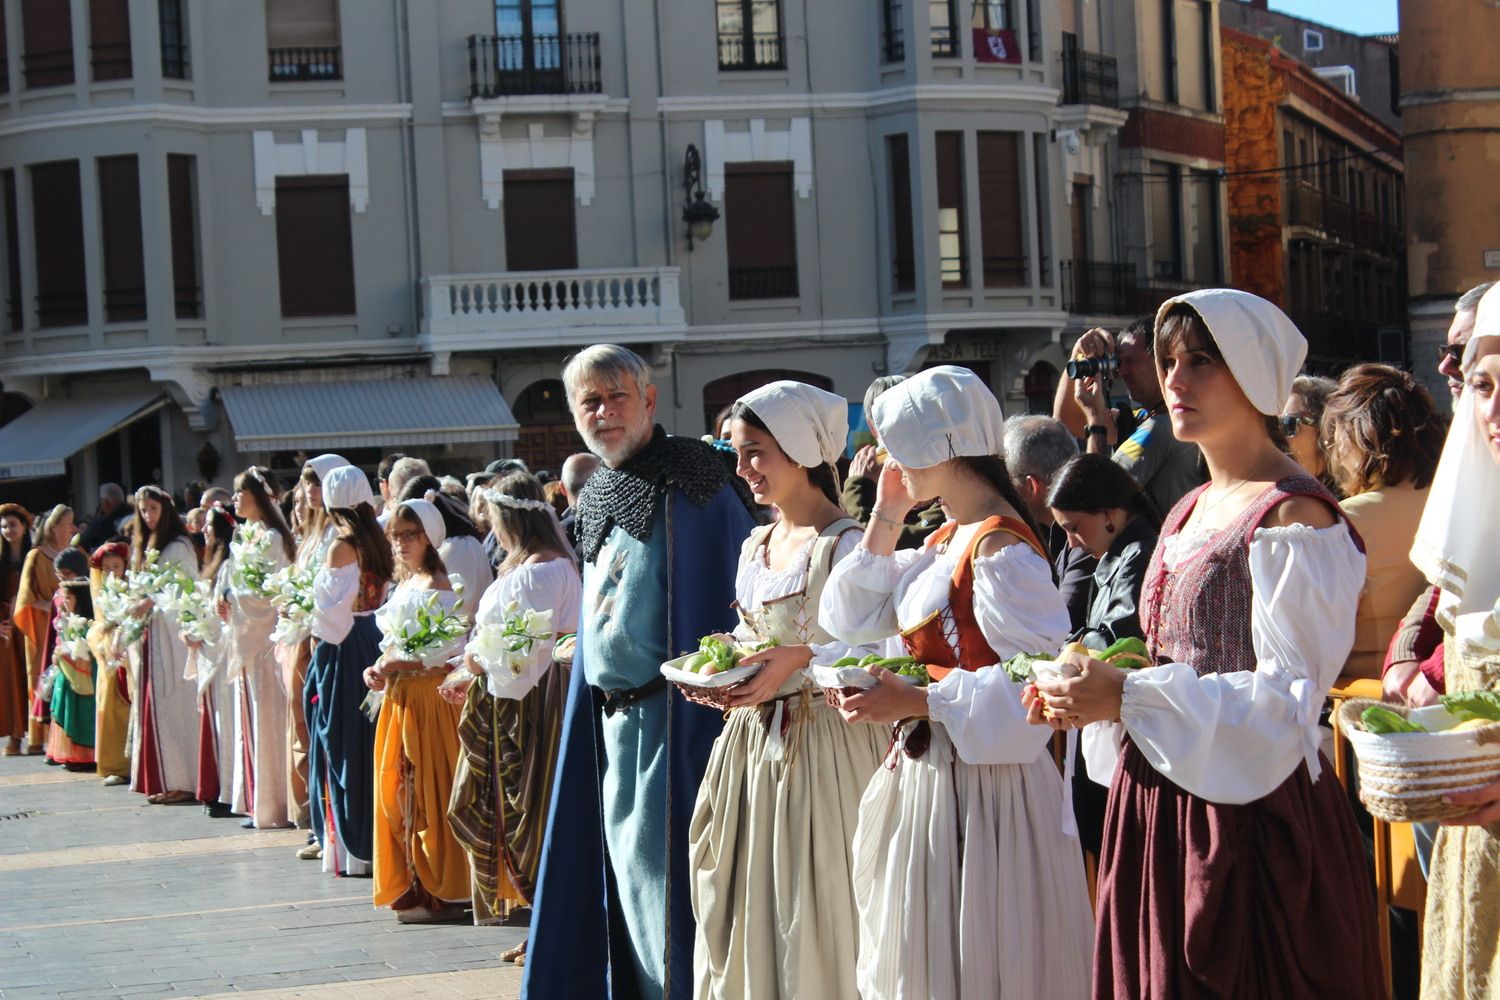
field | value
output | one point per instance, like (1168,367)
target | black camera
(1090,367)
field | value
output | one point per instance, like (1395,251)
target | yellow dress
(112,707)
(1461,950)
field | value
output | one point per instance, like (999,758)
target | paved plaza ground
(102,895)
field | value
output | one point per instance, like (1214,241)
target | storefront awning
(40,441)
(326,416)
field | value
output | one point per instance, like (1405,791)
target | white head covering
(1456,539)
(1262,347)
(941,413)
(431,518)
(346,486)
(324,464)
(810,425)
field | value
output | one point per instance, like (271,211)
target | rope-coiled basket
(1404,776)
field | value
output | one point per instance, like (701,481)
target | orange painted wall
(1253,88)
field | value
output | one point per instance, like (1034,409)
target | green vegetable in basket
(1469,705)
(846,661)
(1127,654)
(695,663)
(1018,667)
(1382,721)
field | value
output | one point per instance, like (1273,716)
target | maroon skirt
(1268,899)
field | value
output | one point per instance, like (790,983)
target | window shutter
(182,206)
(13,310)
(57,216)
(761,230)
(903,242)
(109,39)
(47,38)
(540,230)
(314,246)
(120,223)
(1000,218)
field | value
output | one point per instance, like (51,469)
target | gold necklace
(1204,510)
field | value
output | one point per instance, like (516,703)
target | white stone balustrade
(538,308)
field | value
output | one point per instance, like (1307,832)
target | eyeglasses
(1290,422)
(402,537)
(1455,352)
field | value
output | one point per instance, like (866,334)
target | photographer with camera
(1165,467)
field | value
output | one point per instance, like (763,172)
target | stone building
(248,230)
(1315,205)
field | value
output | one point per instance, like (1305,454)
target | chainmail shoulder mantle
(627,497)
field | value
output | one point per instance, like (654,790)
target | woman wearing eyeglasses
(1301,422)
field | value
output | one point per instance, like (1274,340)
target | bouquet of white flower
(506,644)
(72,638)
(192,605)
(114,604)
(253,566)
(417,627)
(290,591)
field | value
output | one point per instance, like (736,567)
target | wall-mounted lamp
(699,215)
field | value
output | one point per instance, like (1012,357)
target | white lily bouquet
(72,638)
(290,591)
(506,645)
(254,567)
(113,604)
(191,604)
(418,627)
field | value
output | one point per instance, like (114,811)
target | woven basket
(1404,776)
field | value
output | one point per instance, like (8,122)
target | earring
(1109,527)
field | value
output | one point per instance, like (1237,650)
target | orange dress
(33,617)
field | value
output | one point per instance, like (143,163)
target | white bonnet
(938,414)
(324,464)
(1263,349)
(346,486)
(431,518)
(810,425)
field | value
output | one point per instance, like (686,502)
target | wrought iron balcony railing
(517,65)
(1089,77)
(1098,288)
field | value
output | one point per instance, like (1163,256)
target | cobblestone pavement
(102,895)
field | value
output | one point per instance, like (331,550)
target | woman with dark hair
(165,763)
(217,691)
(421,872)
(512,716)
(1384,439)
(350,587)
(1104,511)
(1231,857)
(776,811)
(1302,426)
(963,875)
(32,612)
(15,543)
(259,786)
(462,551)
(70,741)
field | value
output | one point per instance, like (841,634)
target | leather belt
(621,699)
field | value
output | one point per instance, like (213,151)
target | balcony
(545,308)
(1088,77)
(1098,288)
(778,282)
(305,64)
(521,65)
(751,50)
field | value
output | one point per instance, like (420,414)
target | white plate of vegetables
(714,664)
(854,671)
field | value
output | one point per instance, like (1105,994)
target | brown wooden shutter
(4,53)
(540,230)
(952,238)
(182,202)
(47,40)
(120,226)
(760,230)
(1000,219)
(109,39)
(57,216)
(903,241)
(314,246)
(13,309)
(302,23)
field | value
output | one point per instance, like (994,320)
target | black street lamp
(699,215)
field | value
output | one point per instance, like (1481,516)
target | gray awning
(40,441)
(326,416)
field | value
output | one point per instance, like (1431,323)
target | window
(182,204)
(992,15)
(314,246)
(1001,223)
(1312,41)
(120,230)
(892,33)
(4,53)
(1193,83)
(303,40)
(109,39)
(1341,77)
(57,230)
(1041,174)
(12,250)
(47,40)
(750,34)
(942,29)
(174,47)
(530,49)
(760,220)
(952,261)
(540,234)
(903,252)
(1207,266)
(1164,194)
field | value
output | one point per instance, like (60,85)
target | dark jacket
(1073,572)
(1115,590)
(859,500)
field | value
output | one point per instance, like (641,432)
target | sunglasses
(1455,352)
(1290,423)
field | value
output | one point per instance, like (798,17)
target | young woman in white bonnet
(774,820)
(968,879)
(1231,863)
(1456,547)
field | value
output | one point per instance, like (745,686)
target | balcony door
(529,46)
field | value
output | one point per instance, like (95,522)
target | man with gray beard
(659,525)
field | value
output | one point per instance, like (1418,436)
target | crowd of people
(457,687)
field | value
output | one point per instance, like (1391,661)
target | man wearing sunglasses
(1451,353)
